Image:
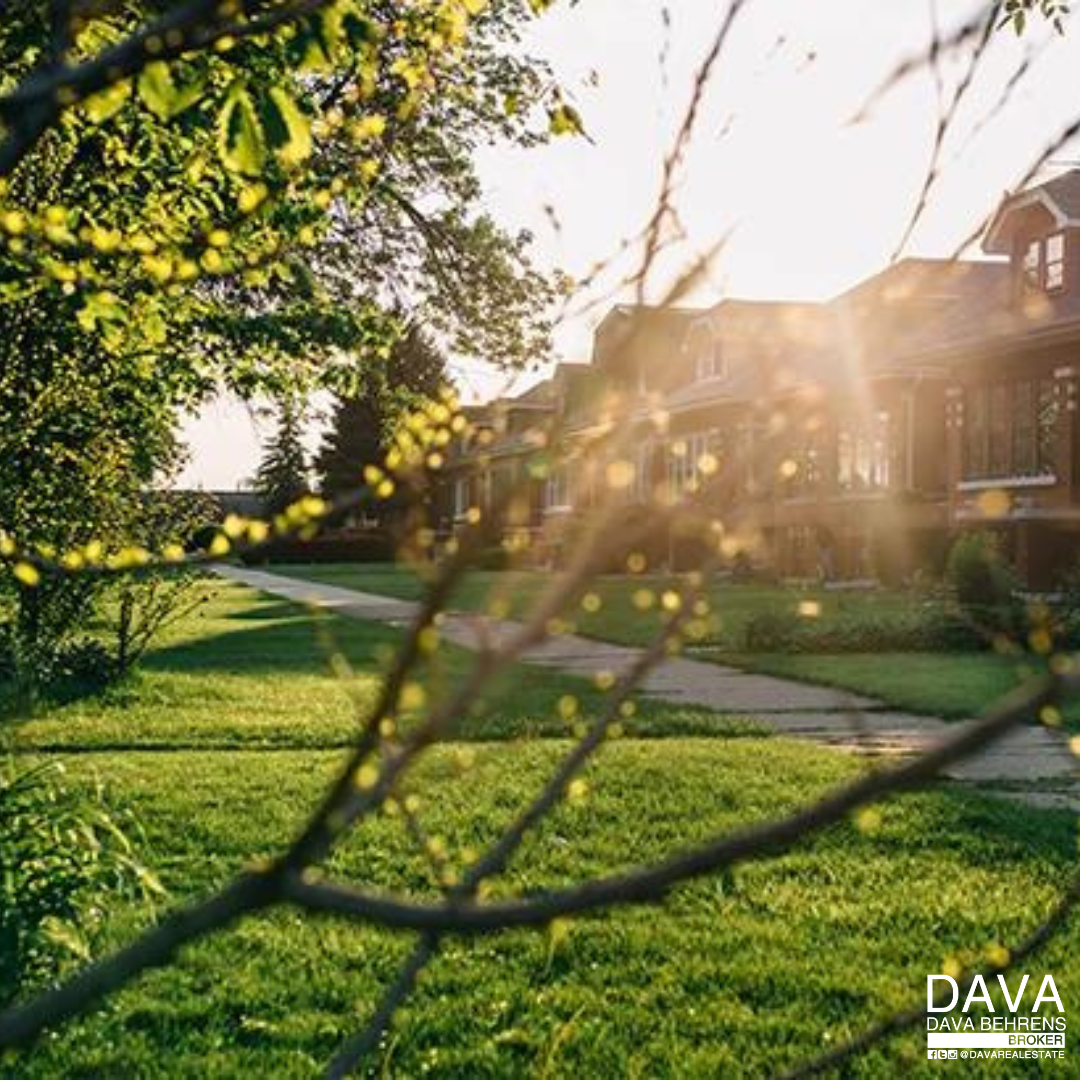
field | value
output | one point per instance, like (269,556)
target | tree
(248,216)
(81,439)
(362,423)
(181,218)
(282,478)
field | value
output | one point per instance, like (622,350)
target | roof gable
(1060,198)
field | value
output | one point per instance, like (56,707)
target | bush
(73,634)
(770,631)
(919,631)
(493,558)
(983,584)
(64,858)
(338,545)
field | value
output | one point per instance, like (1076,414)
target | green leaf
(99,307)
(287,127)
(162,96)
(241,141)
(108,102)
(66,936)
(565,120)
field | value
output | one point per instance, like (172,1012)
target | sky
(807,201)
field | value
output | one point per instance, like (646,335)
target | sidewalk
(1028,757)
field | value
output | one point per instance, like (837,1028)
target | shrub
(75,633)
(983,584)
(64,859)
(919,631)
(770,631)
(336,545)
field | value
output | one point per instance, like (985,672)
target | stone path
(1026,758)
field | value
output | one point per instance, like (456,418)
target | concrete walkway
(1027,757)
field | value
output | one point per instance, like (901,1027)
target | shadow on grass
(978,826)
(279,638)
(271,610)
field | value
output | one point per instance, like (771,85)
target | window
(1025,459)
(864,455)
(461,497)
(705,353)
(1010,429)
(1033,266)
(998,450)
(808,457)
(557,490)
(643,474)
(1044,264)
(1046,416)
(692,461)
(1054,273)
(708,362)
(975,431)
(679,469)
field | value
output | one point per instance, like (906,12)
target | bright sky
(812,203)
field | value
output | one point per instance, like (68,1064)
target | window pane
(999,430)
(1054,274)
(845,464)
(1033,265)
(975,432)
(1046,421)
(1024,456)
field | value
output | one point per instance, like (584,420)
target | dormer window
(708,362)
(1055,262)
(1033,266)
(702,348)
(1044,264)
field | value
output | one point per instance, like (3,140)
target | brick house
(1013,438)
(852,437)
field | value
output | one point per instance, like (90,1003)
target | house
(1012,434)
(850,438)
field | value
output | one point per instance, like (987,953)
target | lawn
(235,727)
(617,617)
(951,685)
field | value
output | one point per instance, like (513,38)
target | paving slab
(836,718)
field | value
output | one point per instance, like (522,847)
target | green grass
(232,733)
(618,619)
(252,671)
(950,685)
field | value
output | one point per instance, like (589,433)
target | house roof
(916,315)
(1060,197)
(945,301)
(629,332)
(884,325)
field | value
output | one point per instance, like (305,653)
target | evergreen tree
(283,473)
(362,425)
